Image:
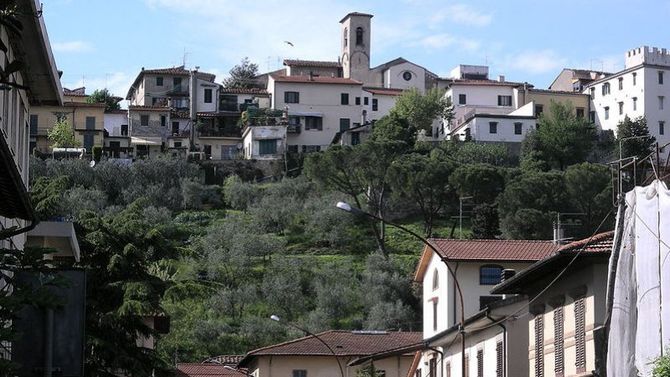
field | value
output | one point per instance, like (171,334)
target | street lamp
(359,212)
(276,318)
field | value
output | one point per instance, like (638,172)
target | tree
(394,128)
(590,188)
(638,141)
(481,181)
(242,75)
(423,180)
(477,153)
(104,96)
(562,138)
(421,110)
(485,222)
(61,135)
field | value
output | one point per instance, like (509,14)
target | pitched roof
(484,250)
(148,108)
(76,92)
(316,80)
(206,370)
(174,71)
(256,91)
(485,82)
(225,359)
(383,91)
(355,14)
(311,63)
(597,247)
(343,343)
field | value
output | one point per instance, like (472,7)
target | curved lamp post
(277,319)
(359,212)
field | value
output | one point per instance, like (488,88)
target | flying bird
(289,43)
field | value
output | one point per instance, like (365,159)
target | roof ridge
(486,240)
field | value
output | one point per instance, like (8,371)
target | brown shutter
(480,363)
(559,346)
(467,366)
(580,335)
(539,345)
(448,369)
(499,359)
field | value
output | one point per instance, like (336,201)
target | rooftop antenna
(183,60)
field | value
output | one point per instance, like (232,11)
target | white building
(642,88)
(498,128)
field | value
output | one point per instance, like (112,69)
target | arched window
(346,31)
(359,36)
(436,280)
(490,274)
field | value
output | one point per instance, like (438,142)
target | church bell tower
(355,55)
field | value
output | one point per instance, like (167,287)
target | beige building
(86,119)
(565,333)
(575,80)
(38,73)
(353,350)
(542,100)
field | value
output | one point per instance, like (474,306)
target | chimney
(559,234)
(501,78)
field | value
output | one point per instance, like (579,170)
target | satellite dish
(92,163)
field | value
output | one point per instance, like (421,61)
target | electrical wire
(560,274)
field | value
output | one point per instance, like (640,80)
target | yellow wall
(577,100)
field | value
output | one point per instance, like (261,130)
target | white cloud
(72,46)
(461,14)
(535,62)
(442,40)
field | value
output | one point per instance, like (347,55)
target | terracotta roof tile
(258,91)
(148,108)
(180,70)
(311,63)
(599,243)
(225,359)
(384,91)
(316,80)
(503,250)
(344,343)
(206,370)
(485,82)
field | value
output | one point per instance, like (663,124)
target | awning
(146,140)
(304,114)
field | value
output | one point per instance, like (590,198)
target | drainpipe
(504,368)
(441,357)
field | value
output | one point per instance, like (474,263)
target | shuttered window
(433,367)
(268,146)
(480,363)
(559,346)
(448,370)
(467,366)
(499,359)
(580,335)
(539,346)
(90,123)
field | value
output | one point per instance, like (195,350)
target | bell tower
(356,46)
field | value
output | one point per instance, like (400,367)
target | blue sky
(104,43)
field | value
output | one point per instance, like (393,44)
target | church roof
(311,63)
(356,14)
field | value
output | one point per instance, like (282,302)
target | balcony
(178,91)
(293,128)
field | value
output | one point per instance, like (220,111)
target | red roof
(168,71)
(384,91)
(599,243)
(225,359)
(485,82)
(257,91)
(343,343)
(207,370)
(316,80)
(148,108)
(311,63)
(485,250)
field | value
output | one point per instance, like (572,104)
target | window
(634,103)
(375,104)
(634,78)
(606,89)
(592,116)
(607,112)
(407,75)
(559,344)
(593,92)
(539,345)
(500,359)
(661,128)
(344,99)
(462,99)
(620,108)
(124,130)
(355,138)
(346,41)
(291,97)
(467,365)
(432,367)
(518,127)
(88,141)
(436,280)
(485,301)
(159,81)
(448,369)
(580,335)
(493,127)
(177,144)
(365,101)
(660,102)
(267,146)
(33,124)
(144,120)
(620,83)
(163,121)
(660,77)
(490,274)
(359,36)
(208,95)
(292,149)
(313,123)
(358,101)
(580,112)
(310,148)
(299,373)
(90,123)
(175,128)
(504,100)
(480,363)
(435,314)
(538,110)
(345,124)
(176,82)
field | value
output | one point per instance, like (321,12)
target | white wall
(253,134)
(393,77)
(113,122)
(480,129)
(201,105)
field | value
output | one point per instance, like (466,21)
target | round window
(407,75)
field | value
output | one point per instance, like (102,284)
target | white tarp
(640,325)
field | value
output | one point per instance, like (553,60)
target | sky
(104,43)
